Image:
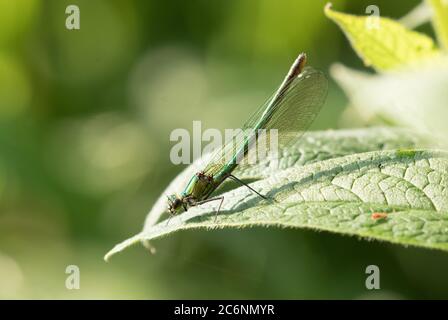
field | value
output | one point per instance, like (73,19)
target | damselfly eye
(177,203)
(174,204)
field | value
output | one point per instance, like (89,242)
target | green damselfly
(289,111)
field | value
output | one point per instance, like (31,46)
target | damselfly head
(175,204)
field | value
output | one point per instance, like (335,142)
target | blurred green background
(85,118)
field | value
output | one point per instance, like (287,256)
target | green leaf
(312,177)
(339,195)
(440,20)
(313,147)
(383,43)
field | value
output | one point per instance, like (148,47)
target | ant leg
(246,185)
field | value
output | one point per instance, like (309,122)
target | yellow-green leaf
(440,20)
(383,43)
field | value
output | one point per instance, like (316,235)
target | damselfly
(290,111)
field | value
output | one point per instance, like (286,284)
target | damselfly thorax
(198,190)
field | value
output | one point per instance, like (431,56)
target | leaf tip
(328,8)
(106,257)
(121,246)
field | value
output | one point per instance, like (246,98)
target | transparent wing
(299,106)
(290,116)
